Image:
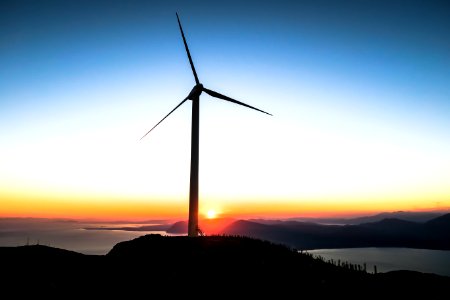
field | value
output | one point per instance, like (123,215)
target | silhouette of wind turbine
(194,95)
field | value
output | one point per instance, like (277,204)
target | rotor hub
(196,91)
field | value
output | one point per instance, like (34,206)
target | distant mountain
(440,222)
(387,232)
(434,234)
(420,217)
(180,227)
(202,267)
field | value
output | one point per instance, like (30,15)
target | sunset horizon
(289,140)
(359,97)
(219,148)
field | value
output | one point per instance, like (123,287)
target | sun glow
(211,214)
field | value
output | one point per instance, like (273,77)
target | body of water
(391,259)
(67,235)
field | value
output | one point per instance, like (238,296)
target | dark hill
(442,221)
(296,234)
(153,266)
(419,217)
(180,227)
(38,252)
(392,224)
(434,234)
(439,231)
(304,235)
(389,232)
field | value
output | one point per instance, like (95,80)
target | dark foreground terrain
(157,267)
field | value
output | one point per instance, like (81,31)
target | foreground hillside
(156,267)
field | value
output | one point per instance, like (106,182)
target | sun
(211,214)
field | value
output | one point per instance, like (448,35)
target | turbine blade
(187,51)
(217,95)
(165,117)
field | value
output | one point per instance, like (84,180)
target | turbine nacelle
(196,92)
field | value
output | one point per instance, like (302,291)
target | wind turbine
(194,95)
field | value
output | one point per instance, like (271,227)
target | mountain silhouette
(390,232)
(434,234)
(420,217)
(440,222)
(180,227)
(155,266)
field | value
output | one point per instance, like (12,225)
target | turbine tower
(194,95)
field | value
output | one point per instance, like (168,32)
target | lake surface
(391,259)
(97,242)
(67,235)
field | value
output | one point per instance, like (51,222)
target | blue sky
(359,91)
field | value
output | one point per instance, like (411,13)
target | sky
(359,92)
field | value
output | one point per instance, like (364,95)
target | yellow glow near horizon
(211,214)
(26,205)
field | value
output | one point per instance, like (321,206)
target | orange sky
(120,209)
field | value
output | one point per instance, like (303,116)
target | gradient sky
(359,90)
